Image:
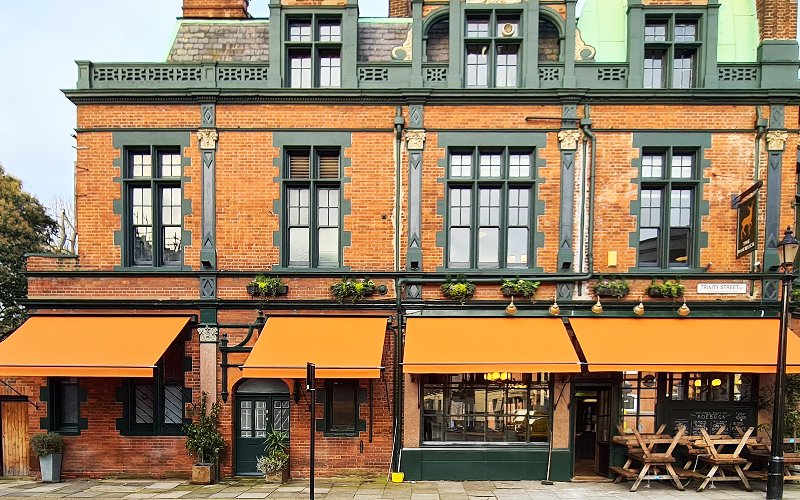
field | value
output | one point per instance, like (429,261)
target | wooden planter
(610,292)
(656,294)
(204,474)
(280,476)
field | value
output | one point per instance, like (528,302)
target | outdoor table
(761,457)
(651,461)
(720,461)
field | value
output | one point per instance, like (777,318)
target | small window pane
(648,247)
(170,164)
(328,247)
(330,31)
(685,31)
(66,404)
(655,31)
(144,405)
(652,166)
(478,26)
(507,27)
(173,405)
(260,420)
(477,65)
(300,31)
(519,165)
(679,247)
(488,247)
(246,418)
(143,245)
(459,247)
(300,69)
(506,74)
(682,166)
(330,68)
(683,69)
(140,165)
(490,165)
(460,165)
(654,68)
(299,246)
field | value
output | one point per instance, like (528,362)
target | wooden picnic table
(720,462)
(761,457)
(651,460)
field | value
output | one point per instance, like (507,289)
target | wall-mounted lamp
(639,308)
(597,308)
(684,309)
(511,309)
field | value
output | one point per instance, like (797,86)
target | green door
(255,415)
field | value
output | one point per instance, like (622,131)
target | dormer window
(314,52)
(671,46)
(492,50)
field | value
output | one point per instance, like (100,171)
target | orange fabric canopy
(684,344)
(340,347)
(474,345)
(88,346)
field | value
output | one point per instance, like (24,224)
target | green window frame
(490,193)
(668,222)
(313,45)
(64,398)
(312,207)
(341,407)
(157,406)
(493,43)
(153,198)
(673,46)
(485,408)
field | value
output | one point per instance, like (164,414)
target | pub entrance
(593,429)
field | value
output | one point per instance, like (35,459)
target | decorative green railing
(170,75)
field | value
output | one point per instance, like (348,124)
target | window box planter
(459,290)
(519,288)
(264,286)
(354,290)
(670,289)
(611,288)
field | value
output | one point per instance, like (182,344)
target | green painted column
(776,143)
(530,45)
(417,54)
(568,142)
(276,62)
(455,70)
(710,71)
(635,44)
(569,45)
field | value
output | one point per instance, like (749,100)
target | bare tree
(65,239)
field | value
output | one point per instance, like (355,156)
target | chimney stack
(215,9)
(777,19)
(399,8)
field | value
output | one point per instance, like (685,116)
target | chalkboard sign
(695,419)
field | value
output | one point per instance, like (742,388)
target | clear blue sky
(39,42)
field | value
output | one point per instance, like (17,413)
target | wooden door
(14,425)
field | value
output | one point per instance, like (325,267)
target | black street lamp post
(787,251)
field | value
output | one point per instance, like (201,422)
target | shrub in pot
(275,463)
(204,440)
(49,448)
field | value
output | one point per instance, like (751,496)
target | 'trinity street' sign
(722,288)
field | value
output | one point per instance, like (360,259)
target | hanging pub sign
(746,220)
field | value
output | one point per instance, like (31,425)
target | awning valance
(340,347)
(89,346)
(730,345)
(475,345)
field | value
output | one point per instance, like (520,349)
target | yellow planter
(397,477)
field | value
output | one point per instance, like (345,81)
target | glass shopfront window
(485,408)
(711,387)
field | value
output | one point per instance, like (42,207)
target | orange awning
(88,346)
(474,345)
(730,345)
(340,347)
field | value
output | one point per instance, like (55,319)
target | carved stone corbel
(569,139)
(415,139)
(776,140)
(207,137)
(208,333)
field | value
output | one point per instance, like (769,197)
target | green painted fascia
(121,140)
(483,463)
(738,41)
(298,138)
(535,140)
(603,25)
(699,141)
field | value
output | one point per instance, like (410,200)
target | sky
(39,44)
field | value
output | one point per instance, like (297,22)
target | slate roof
(221,42)
(249,41)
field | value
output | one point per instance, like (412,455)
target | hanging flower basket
(354,290)
(611,288)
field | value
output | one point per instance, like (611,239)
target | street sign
(722,288)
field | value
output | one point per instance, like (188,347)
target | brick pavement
(359,489)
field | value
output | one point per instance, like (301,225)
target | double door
(255,416)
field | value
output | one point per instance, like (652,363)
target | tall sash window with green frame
(667,208)
(490,193)
(312,208)
(671,48)
(153,197)
(314,51)
(492,44)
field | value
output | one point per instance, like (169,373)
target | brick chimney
(777,19)
(399,8)
(215,9)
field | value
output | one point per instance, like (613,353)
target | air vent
(299,166)
(328,166)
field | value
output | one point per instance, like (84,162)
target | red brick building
(505,147)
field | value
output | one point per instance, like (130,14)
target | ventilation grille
(748,74)
(328,166)
(299,166)
(612,74)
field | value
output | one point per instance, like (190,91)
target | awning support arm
(19,394)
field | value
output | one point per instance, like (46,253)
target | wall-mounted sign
(746,205)
(722,288)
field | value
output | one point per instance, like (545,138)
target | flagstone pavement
(361,489)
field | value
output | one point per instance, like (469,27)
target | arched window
(437,47)
(549,41)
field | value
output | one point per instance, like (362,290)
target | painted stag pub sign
(746,205)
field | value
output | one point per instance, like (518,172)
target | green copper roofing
(738,34)
(604,26)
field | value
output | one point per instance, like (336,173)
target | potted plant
(275,463)
(267,286)
(519,288)
(605,287)
(460,289)
(355,290)
(668,289)
(204,441)
(49,447)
